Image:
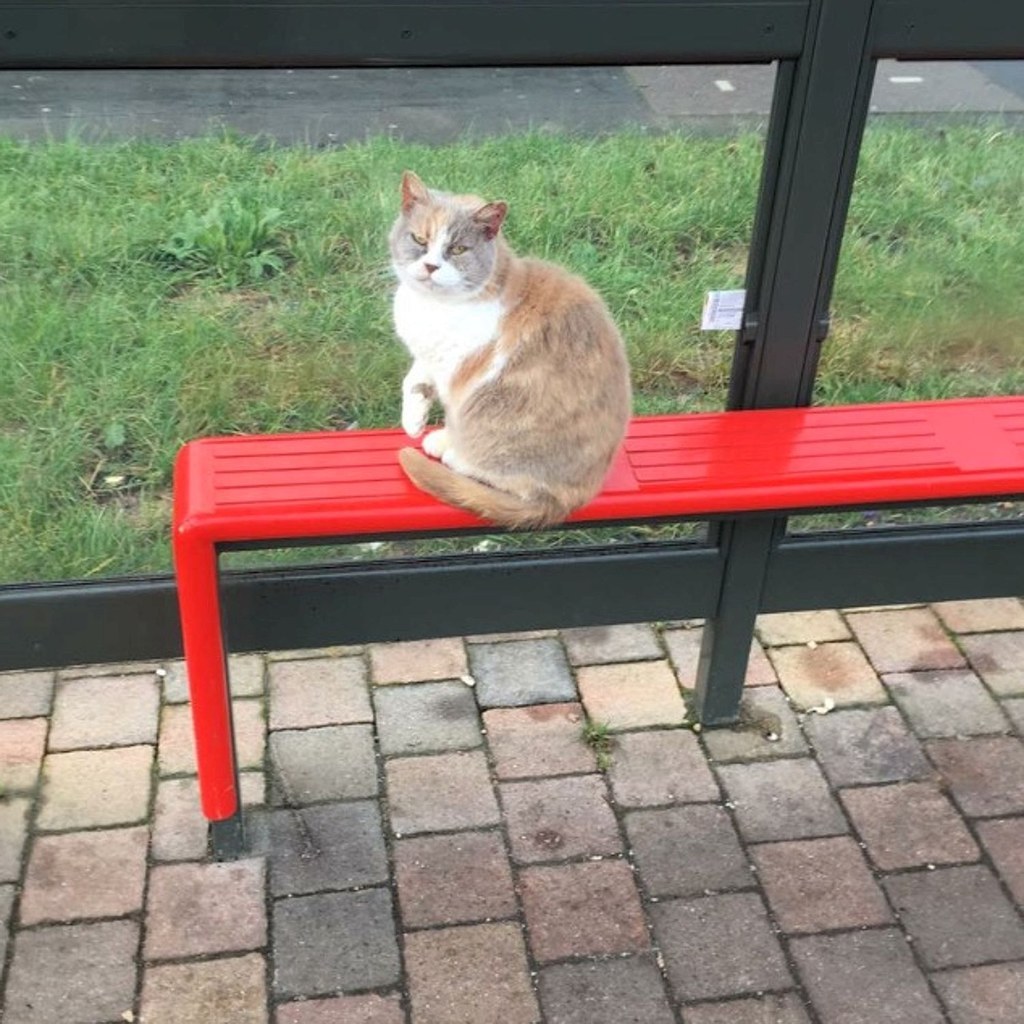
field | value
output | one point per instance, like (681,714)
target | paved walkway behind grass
(433,842)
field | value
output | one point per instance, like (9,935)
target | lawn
(150,293)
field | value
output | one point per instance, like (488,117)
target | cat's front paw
(435,444)
(415,410)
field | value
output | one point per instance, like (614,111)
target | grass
(151,293)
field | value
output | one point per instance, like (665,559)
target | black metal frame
(827,50)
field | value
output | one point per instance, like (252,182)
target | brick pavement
(433,842)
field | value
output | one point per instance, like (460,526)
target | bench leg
(206,665)
(227,838)
(725,647)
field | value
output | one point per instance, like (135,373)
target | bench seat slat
(333,484)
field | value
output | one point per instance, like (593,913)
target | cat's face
(444,244)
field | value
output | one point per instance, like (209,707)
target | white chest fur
(440,334)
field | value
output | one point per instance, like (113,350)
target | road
(322,107)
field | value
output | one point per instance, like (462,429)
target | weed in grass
(597,736)
(238,240)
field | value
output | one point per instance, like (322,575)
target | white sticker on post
(723,311)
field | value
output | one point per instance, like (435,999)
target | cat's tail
(487,502)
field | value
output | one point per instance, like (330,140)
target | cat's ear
(413,191)
(491,217)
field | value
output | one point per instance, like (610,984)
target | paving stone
(864,977)
(306,653)
(763,713)
(521,672)
(904,640)
(252,788)
(209,907)
(719,946)
(113,668)
(245,678)
(104,711)
(957,916)
(665,766)
(367,1009)
(588,909)
(26,694)
(817,885)
(781,800)
(22,742)
(333,941)
(232,989)
(85,874)
(811,675)
(440,792)
(950,703)
(453,879)
(179,828)
(472,974)
(426,717)
(418,661)
(625,991)
(683,646)
(908,825)
(247,673)
(599,645)
(861,746)
(985,775)
(329,846)
(760,671)
(13,832)
(335,762)
(73,974)
(318,691)
(176,750)
(685,851)
(1014,710)
(815,627)
(981,616)
(543,739)
(523,634)
(632,695)
(250,732)
(91,788)
(999,659)
(556,819)
(1004,842)
(684,652)
(6,905)
(768,1009)
(993,994)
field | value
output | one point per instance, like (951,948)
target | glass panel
(193,253)
(928,300)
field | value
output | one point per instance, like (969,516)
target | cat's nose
(430,267)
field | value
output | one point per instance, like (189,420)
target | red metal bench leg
(205,660)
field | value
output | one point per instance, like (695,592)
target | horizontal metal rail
(357,33)
(45,625)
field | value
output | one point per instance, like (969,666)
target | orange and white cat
(522,355)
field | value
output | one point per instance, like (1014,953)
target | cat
(523,356)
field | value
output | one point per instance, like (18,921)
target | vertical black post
(805,190)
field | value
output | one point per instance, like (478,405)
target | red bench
(346,485)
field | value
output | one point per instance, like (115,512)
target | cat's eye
(458,250)
(419,239)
